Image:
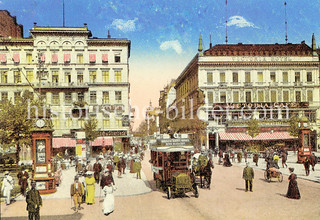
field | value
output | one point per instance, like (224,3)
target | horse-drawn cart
(171,167)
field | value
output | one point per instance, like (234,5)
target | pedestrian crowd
(102,173)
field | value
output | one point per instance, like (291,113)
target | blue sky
(164,34)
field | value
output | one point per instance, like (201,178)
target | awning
(264,136)
(102,141)
(63,142)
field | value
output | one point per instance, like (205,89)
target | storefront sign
(261,105)
(113,133)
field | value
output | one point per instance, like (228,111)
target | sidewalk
(291,162)
(127,185)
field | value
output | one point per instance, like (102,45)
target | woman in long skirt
(293,190)
(108,202)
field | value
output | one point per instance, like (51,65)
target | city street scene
(159,110)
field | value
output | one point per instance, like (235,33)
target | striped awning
(63,142)
(264,136)
(102,141)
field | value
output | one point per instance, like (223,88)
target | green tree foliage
(294,126)
(15,120)
(143,128)
(253,127)
(90,129)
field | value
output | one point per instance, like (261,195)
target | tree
(90,128)
(15,121)
(294,126)
(253,127)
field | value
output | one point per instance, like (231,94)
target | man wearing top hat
(23,181)
(7,186)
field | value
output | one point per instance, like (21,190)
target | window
(55,77)
(118,96)
(30,76)
(29,58)
(210,98)
(4,77)
(105,76)
(209,78)
(93,97)
(273,96)
(68,77)
(286,96)
(106,122)
(93,76)
(297,77)
(298,96)
(273,77)
(4,96)
(81,122)
(309,76)
(247,77)
(68,98)
(17,77)
(117,58)
(68,121)
(80,78)
(260,77)
(223,98)
(235,97)
(235,77)
(118,76)
(105,97)
(80,58)
(285,77)
(80,97)
(16,58)
(222,77)
(55,99)
(56,123)
(248,97)
(118,122)
(17,96)
(260,96)
(309,96)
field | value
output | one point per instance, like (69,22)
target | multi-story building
(9,26)
(268,82)
(79,77)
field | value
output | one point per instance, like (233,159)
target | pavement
(291,162)
(126,185)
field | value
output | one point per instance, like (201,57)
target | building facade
(267,82)
(79,77)
(9,26)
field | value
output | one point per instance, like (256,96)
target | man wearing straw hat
(7,186)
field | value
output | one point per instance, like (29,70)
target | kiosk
(43,173)
(304,148)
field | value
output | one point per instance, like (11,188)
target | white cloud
(125,26)
(174,44)
(240,22)
(1,2)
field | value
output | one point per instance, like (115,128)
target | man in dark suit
(97,168)
(34,202)
(248,176)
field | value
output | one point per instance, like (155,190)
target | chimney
(109,36)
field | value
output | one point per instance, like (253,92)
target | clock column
(42,152)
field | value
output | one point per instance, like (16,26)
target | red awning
(3,58)
(105,57)
(63,142)
(102,141)
(54,58)
(92,58)
(16,58)
(264,136)
(67,57)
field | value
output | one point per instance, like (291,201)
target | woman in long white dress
(108,202)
